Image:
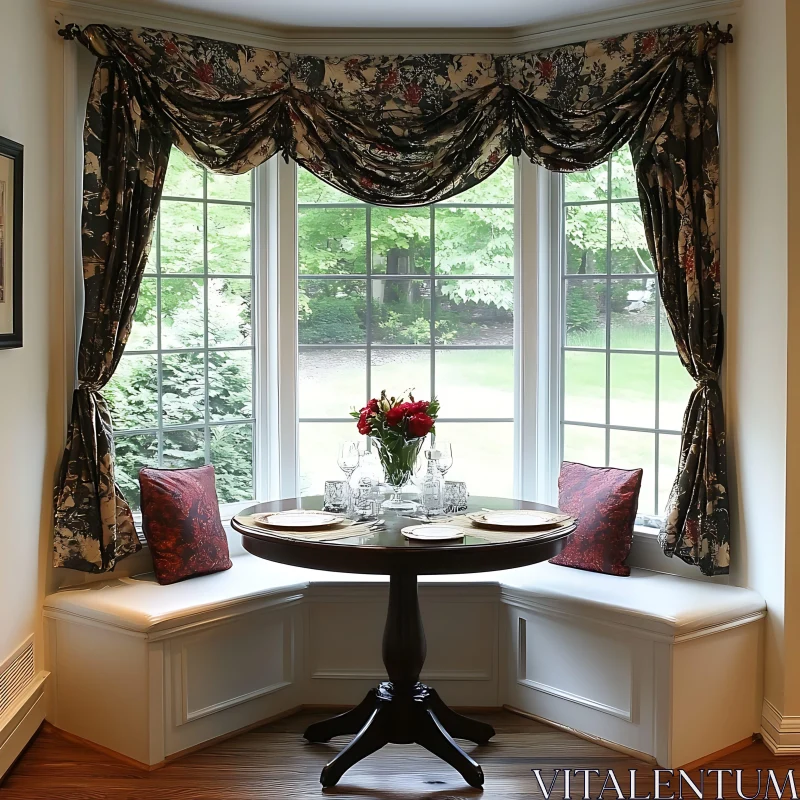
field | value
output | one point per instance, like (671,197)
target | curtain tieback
(707,381)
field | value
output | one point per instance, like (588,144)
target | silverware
(424,520)
(377,526)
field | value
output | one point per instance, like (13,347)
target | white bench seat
(652,601)
(626,660)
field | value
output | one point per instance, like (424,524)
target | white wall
(756,329)
(31,379)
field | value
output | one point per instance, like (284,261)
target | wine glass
(445,460)
(348,459)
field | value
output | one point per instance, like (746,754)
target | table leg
(402,710)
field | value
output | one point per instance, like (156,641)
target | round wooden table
(401,710)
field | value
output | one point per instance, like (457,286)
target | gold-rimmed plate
(298,519)
(521,519)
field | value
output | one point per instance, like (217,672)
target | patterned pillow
(604,500)
(180,519)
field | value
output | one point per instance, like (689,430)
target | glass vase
(398,461)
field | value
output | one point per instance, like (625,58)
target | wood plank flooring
(274,762)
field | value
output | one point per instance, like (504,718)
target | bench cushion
(653,601)
(141,604)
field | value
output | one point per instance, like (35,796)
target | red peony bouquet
(398,427)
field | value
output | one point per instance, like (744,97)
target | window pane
(629,251)
(585,387)
(183,449)
(667,341)
(144,330)
(184,176)
(483,456)
(475,312)
(310,189)
(398,370)
(633,314)
(332,241)
(132,394)
(591,184)
(230,308)
(401,311)
(182,313)
(232,457)
(669,452)
(623,178)
(474,241)
(183,388)
(586,239)
(230,187)
(633,389)
(332,312)
(675,388)
(229,239)
(632,450)
(331,382)
(585,445)
(497,188)
(230,384)
(131,454)
(475,383)
(319,447)
(192,312)
(401,241)
(181,229)
(585,313)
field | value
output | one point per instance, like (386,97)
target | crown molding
(342,41)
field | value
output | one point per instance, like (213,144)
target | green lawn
(474,383)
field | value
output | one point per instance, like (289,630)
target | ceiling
(408,13)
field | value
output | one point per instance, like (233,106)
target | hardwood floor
(273,763)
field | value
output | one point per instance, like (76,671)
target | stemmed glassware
(445,458)
(348,460)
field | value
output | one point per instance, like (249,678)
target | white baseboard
(781,734)
(21,721)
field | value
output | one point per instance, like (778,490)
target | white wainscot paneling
(229,675)
(254,656)
(590,676)
(345,629)
(575,665)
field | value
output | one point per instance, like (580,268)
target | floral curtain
(412,130)
(126,155)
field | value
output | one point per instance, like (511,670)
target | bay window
(419,299)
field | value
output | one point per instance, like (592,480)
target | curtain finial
(725,37)
(69,32)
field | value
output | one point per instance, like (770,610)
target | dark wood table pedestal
(402,710)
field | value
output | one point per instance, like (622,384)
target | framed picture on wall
(10,244)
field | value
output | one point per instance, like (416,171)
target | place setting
(395,481)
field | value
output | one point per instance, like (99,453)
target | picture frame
(11,165)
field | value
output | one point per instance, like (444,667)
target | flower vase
(398,462)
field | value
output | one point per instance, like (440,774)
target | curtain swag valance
(402,131)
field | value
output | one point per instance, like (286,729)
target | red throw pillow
(604,501)
(181,522)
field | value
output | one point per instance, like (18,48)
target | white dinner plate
(433,532)
(522,518)
(297,519)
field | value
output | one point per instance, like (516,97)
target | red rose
(394,416)
(363,424)
(372,406)
(420,407)
(420,425)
